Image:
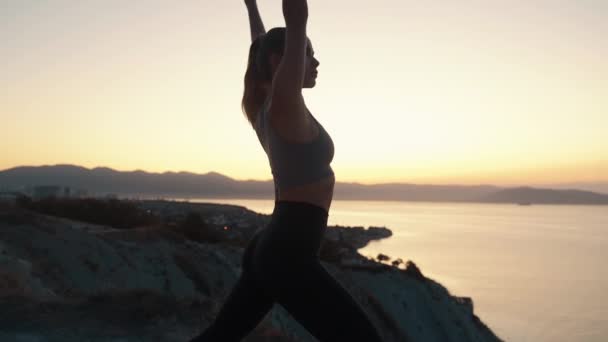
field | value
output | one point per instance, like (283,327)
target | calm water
(535,273)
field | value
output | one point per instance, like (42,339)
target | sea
(535,272)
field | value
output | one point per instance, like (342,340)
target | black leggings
(281,264)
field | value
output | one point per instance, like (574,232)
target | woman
(281,262)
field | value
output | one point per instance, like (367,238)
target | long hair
(259,70)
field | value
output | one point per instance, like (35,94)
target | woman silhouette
(281,262)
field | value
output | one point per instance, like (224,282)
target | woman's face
(310,73)
(310,66)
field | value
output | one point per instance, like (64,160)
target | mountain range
(102,181)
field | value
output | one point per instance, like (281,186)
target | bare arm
(255,21)
(289,77)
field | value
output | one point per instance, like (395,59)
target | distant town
(43,191)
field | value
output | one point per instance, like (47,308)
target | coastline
(166,273)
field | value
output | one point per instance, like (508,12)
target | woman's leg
(287,265)
(246,305)
(323,306)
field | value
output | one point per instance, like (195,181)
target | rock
(151,284)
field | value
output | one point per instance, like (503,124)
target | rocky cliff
(67,280)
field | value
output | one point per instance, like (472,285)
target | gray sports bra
(294,163)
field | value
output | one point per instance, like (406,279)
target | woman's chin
(310,84)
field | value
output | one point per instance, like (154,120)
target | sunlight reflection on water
(535,273)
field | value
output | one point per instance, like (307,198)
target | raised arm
(255,21)
(289,77)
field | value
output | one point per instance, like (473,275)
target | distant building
(46,191)
(8,198)
(7,195)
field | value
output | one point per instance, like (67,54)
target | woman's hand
(295,12)
(255,21)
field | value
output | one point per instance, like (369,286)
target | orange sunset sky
(500,92)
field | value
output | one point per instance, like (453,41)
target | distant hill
(102,181)
(599,187)
(545,196)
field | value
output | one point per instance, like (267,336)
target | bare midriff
(319,193)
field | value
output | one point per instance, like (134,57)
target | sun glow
(448,93)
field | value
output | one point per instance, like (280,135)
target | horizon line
(439,183)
